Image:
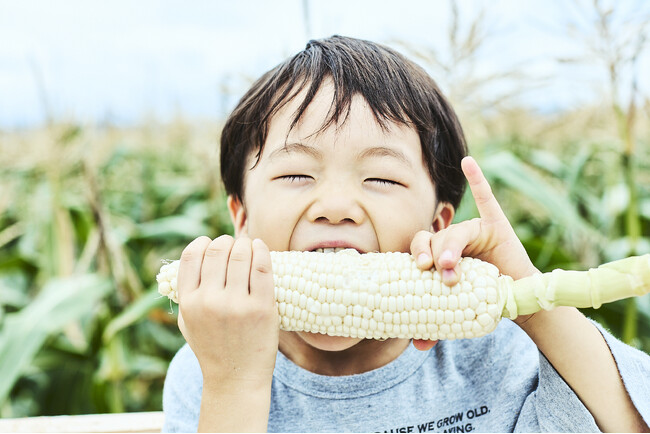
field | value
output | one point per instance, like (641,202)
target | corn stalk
(618,51)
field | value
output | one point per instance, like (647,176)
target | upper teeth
(330,249)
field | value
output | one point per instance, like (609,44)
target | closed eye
(294,178)
(382,181)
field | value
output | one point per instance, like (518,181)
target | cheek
(397,225)
(272,217)
(270,225)
(396,233)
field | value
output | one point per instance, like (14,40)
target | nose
(336,206)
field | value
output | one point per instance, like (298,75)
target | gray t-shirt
(497,383)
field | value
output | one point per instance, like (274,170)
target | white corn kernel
(449,317)
(388,297)
(400,303)
(484,319)
(452,302)
(463,301)
(408,302)
(164,288)
(392,304)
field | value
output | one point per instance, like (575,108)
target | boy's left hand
(573,345)
(490,238)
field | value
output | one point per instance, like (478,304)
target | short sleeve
(554,407)
(182,393)
(634,367)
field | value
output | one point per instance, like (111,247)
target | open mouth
(332,249)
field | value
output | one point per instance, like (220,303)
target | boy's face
(358,186)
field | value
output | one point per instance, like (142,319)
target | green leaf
(175,226)
(60,302)
(136,311)
(162,337)
(547,161)
(620,247)
(13,284)
(148,366)
(516,175)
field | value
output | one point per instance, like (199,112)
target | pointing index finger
(487,205)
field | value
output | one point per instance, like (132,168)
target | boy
(349,144)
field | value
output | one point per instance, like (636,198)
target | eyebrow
(298,148)
(374,152)
(383,151)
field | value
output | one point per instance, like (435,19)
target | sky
(122,61)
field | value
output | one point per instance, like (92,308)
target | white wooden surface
(91,423)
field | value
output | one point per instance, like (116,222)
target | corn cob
(385,295)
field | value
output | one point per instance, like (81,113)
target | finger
(261,280)
(215,262)
(189,270)
(421,250)
(443,256)
(448,248)
(423,345)
(487,205)
(181,325)
(239,265)
(450,273)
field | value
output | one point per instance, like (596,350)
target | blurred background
(110,114)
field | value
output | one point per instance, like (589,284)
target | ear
(443,217)
(237,215)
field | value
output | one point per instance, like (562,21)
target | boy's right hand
(228,314)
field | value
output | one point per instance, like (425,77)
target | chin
(328,343)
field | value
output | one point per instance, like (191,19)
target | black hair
(396,90)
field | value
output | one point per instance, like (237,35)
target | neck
(364,356)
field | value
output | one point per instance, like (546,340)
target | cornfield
(88,211)
(86,214)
